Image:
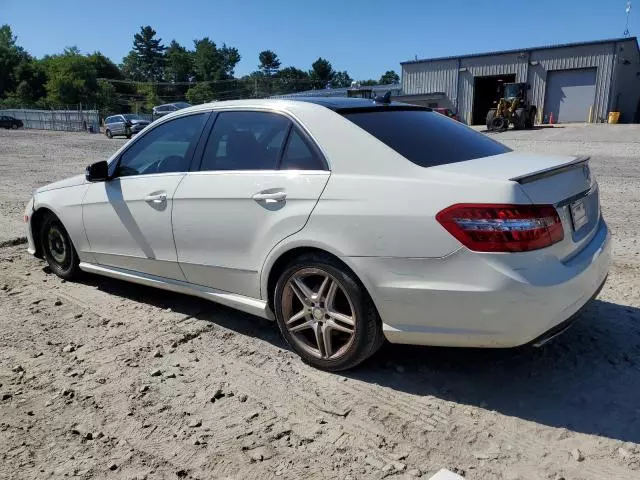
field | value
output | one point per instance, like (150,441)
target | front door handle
(270,197)
(156,197)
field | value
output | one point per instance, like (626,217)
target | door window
(245,141)
(298,155)
(166,148)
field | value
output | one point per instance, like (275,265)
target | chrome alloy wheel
(318,313)
(57,246)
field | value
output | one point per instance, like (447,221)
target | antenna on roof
(628,10)
(386,98)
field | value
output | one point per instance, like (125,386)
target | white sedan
(345,220)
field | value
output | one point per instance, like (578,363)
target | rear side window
(426,138)
(298,155)
(245,141)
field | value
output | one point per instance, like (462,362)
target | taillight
(502,228)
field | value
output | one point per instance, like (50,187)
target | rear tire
(531,118)
(499,123)
(14,126)
(520,119)
(108,133)
(317,296)
(490,116)
(57,248)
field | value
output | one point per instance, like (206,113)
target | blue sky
(365,38)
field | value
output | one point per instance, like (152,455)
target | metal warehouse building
(578,82)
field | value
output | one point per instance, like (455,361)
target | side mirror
(97,172)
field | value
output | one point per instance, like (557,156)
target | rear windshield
(424,137)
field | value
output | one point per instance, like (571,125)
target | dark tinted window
(298,155)
(426,138)
(166,148)
(245,141)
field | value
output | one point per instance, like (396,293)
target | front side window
(245,141)
(166,148)
(424,137)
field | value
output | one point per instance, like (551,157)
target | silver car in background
(162,110)
(126,125)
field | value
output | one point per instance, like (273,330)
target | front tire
(14,126)
(58,249)
(491,114)
(325,314)
(108,133)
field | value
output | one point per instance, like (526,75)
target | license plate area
(579,214)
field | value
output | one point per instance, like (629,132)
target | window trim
(115,163)
(294,123)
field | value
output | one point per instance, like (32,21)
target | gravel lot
(103,379)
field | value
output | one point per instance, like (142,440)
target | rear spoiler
(547,172)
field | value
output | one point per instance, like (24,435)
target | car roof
(298,105)
(343,104)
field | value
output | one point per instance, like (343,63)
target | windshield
(426,138)
(512,91)
(182,105)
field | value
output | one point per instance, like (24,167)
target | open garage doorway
(486,93)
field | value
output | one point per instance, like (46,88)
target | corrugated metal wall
(444,75)
(586,56)
(486,67)
(437,76)
(625,93)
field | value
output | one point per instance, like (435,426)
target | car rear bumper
(479,300)
(137,128)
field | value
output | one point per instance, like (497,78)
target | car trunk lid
(562,181)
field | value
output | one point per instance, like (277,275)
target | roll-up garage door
(570,94)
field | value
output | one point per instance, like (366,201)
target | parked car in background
(162,110)
(124,125)
(447,112)
(345,220)
(7,121)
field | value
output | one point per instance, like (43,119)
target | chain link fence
(63,120)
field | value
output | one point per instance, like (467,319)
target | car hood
(67,182)
(144,122)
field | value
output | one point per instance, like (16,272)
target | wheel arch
(37,218)
(277,262)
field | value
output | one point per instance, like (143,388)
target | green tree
(321,73)
(230,58)
(269,62)
(200,93)
(31,73)
(213,63)
(341,80)
(71,78)
(178,63)
(389,77)
(368,83)
(11,55)
(105,68)
(106,97)
(145,62)
(292,79)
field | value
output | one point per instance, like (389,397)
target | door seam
(173,234)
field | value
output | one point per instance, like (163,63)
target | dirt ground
(104,379)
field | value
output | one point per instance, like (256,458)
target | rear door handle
(270,197)
(156,197)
